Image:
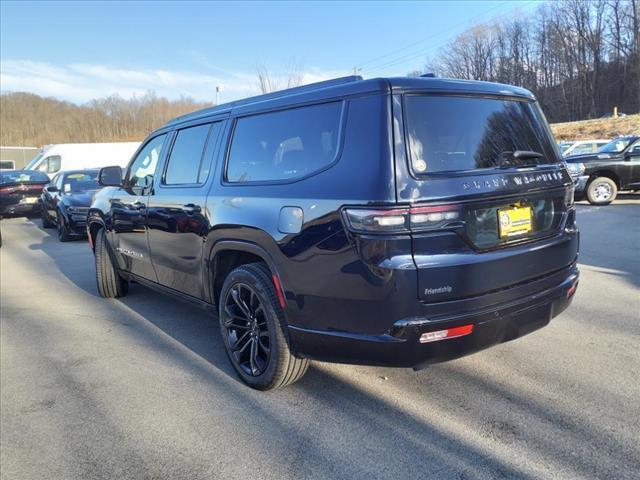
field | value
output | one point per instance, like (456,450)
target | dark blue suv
(394,222)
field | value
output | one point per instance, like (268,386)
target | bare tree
(30,120)
(579,57)
(267,82)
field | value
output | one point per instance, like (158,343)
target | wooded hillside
(580,58)
(30,120)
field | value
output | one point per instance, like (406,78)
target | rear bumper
(580,183)
(20,209)
(400,346)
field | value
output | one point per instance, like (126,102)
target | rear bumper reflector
(278,287)
(446,334)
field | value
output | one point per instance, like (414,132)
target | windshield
(33,162)
(23,176)
(616,146)
(80,182)
(450,133)
(564,147)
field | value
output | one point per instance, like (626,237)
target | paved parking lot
(141,388)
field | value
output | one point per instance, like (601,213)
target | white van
(75,156)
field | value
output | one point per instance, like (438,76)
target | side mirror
(110,177)
(630,154)
(52,189)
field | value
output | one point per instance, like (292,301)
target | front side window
(455,133)
(186,156)
(616,146)
(143,168)
(284,145)
(50,164)
(54,164)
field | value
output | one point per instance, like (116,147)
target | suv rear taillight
(569,197)
(402,220)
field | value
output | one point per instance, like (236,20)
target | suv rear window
(447,133)
(284,145)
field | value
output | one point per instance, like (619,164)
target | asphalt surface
(141,387)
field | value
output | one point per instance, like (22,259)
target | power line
(421,51)
(429,37)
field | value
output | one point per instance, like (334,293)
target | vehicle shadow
(322,427)
(351,423)
(71,258)
(464,425)
(369,423)
(52,231)
(608,239)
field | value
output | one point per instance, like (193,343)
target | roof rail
(267,96)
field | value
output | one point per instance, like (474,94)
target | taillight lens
(402,220)
(433,216)
(378,221)
(8,189)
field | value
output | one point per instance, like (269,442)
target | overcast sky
(78,51)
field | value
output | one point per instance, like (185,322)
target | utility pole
(218,88)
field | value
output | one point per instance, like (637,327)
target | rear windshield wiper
(517,158)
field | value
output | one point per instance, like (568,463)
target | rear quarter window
(285,145)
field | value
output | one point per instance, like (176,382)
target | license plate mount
(515,221)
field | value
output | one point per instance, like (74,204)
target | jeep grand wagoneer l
(394,222)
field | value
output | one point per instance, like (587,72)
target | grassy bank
(600,128)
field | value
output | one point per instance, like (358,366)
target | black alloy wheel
(247,333)
(253,328)
(63,230)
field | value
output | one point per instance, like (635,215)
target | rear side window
(186,156)
(284,145)
(446,133)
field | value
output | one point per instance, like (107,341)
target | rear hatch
(491,202)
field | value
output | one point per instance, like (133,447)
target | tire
(110,283)
(63,230)
(46,223)
(249,309)
(601,191)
